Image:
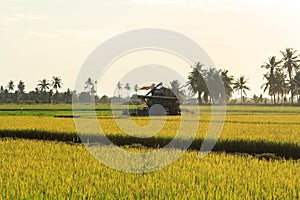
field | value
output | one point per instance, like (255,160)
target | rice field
(46,170)
(256,157)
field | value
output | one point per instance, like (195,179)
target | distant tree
(10,86)
(43,85)
(5,96)
(21,88)
(281,86)
(196,82)
(104,99)
(84,97)
(291,64)
(1,94)
(240,86)
(176,88)
(89,85)
(127,87)
(67,96)
(119,86)
(255,99)
(136,88)
(215,85)
(36,94)
(95,87)
(175,85)
(56,83)
(228,82)
(297,85)
(271,65)
(93,90)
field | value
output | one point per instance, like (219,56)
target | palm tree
(89,85)
(176,88)
(281,86)
(290,63)
(43,85)
(227,81)
(11,86)
(136,88)
(119,86)
(127,87)
(215,85)
(297,84)
(21,87)
(240,85)
(1,94)
(36,94)
(271,65)
(56,83)
(196,82)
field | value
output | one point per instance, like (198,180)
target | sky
(44,38)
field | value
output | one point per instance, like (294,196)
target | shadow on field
(240,147)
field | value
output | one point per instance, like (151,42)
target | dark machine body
(162,96)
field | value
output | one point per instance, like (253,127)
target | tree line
(45,92)
(282,78)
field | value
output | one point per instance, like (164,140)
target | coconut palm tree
(56,83)
(196,82)
(297,85)
(228,82)
(119,86)
(281,86)
(215,85)
(176,88)
(291,64)
(136,88)
(43,85)
(240,86)
(11,86)
(1,94)
(127,87)
(21,87)
(271,65)
(89,84)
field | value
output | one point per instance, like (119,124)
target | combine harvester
(159,100)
